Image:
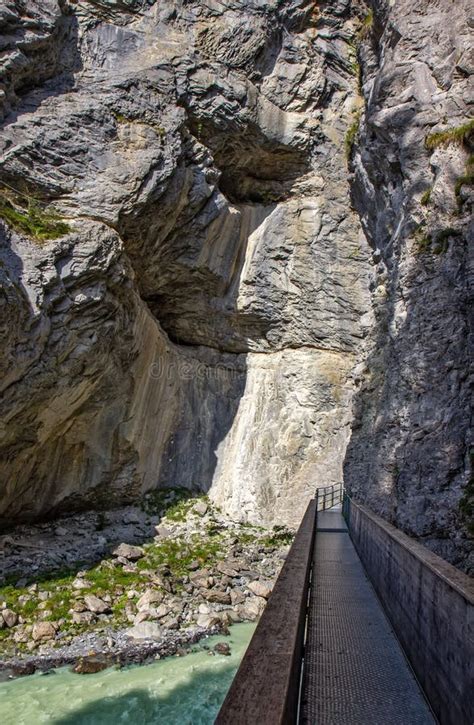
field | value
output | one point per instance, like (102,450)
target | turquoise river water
(174,691)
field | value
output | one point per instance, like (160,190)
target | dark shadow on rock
(53,66)
(406,458)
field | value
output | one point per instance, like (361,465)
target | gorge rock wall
(265,264)
(408,457)
(198,324)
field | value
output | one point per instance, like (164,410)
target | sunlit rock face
(233,301)
(198,325)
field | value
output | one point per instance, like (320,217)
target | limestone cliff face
(198,324)
(205,321)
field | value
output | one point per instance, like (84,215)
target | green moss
(106,577)
(422,239)
(163,500)
(457,134)
(366,26)
(36,223)
(426,197)
(435,243)
(60,603)
(177,554)
(280,536)
(30,608)
(351,135)
(246,538)
(178,512)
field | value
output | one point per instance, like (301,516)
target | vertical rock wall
(408,457)
(198,324)
(232,302)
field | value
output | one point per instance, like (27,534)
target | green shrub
(162,500)
(366,26)
(34,222)
(426,196)
(351,135)
(435,243)
(457,134)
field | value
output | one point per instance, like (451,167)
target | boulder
(44,631)
(161,611)
(227,569)
(171,623)
(145,630)
(151,596)
(206,621)
(90,665)
(162,531)
(222,648)
(96,605)
(79,583)
(237,597)
(200,508)
(261,588)
(20,669)
(142,616)
(252,608)
(79,607)
(214,595)
(22,635)
(232,616)
(128,551)
(10,617)
(200,578)
(83,617)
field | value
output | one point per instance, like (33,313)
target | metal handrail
(266,688)
(329,496)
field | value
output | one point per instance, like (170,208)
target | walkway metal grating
(355,672)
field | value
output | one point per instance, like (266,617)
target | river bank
(151,581)
(187,690)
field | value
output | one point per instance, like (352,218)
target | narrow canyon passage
(235,268)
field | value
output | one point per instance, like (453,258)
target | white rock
(161,611)
(80,584)
(207,620)
(260,588)
(96,605)
(151,596)
(9,617)
(200,508)
(145,630)
(44,630)
(127,551)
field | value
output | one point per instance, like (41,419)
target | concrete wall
(430,606)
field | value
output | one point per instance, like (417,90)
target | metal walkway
(355,672)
